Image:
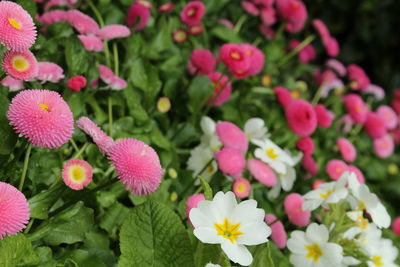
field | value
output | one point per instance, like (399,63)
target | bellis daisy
(224,221)
(262,172)
(278,235)
(192,13)
(230,161)
(232,136)
(91,42)
(138,16)
(293,208)
(76,83)
(220,83)
(42,116)
(49,72)
(301,117)
(77,174)
(82,22)
(113,31)
(13,84)
(241,187)
(20,65)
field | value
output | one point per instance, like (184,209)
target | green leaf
(200,90)
(8,137)
(75,56)
(208,193)
(206,253)
(262,256)
(40,204)
(16,250)
(153,235)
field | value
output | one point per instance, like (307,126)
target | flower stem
(96,13)
(317,96)
(79,153)
(240,23)
(25,168)
(28,228)
(116,62)
(295,51)
(74,145)
(110,116)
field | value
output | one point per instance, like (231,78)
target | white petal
(207,235)
(207,125)
(317,233)
(380,216)
(254,128)
(287,180)
(246,212)
(254,234)
(297,242)
(300,261)
(201,219)
(223,205)
(237,253)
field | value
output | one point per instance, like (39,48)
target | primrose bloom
(13,84)
(202,61)
(193,13)
(255,129)
(42,116)
(312,249)
(77,174)
(199,157)
(91,42)
(49,72)
(301,117)
(17,30)
(20,65)
(223,221)
(232,136)
(113,31)
(220,83)
(241,187)
(14,210)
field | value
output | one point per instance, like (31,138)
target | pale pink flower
(346,149)
(232,136)
(53,16)
(358,172)
(337,66)
(227,23)
(219,83)
(113,31)
(192,202)
(262,172)
(278,234)
(13,84)
(49,72)
(389,116)
(241,187)
(296,215)
(375,90)
(91,42)
(384,146)
(230,161)
(82,22)
(77,174)
(335,168)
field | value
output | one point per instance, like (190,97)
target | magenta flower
(306,54)
(305,145)
(330,43)
(91,42)
(235,59)
(358,78)
(262,172)
(389,116)
(335,168)
(196,29)
(113,31)
(77,174)
(324,116)
(232,136)
(20,65)
(396,226)
(167,7)
(294,12)
(219,83)
(17,30)
(53,16)
(268,15)
(76,83)
(202,61)
(82,22)
(42,116)
(138,12)
(241,187)
(283,96)
(309,164)
(346,149)
(230,161)
(356,107)
(375,126)
(49,72)
(193,13)
(114,82)
(301,117)
(14,210)
(384,146)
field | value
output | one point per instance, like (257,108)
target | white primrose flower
(224,221)
(212,265)
(272,154)
(327,193)
(382,254)
(312,249)
(199,157)
(365,200)
(285,181)
(255,129)
(349,261)
(210,138)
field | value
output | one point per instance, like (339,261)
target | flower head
(230,161)
(192,202)
(305,145)
(113,31)
(301,117)
(306,54)
(294,12)
(17,30)
(193,13)
(13,84)
(241,187)
(278,235)
(199,157)
(82,22)
(195,30)
(167,7)
(335,168)
(202,61)
(236,59)
(346,149)
(42,116)
(375,125)
(137,165)
(223,221)
(309,164)
(76,83)
(262,172)
(221,83)
(91,42)
(138,12)
(358,78)
(294,211)
(384,146)
(20,65)
(180,36)
(324,116)
(255,129)
(53,16)
(163,104)
(77,174)
(389,116)
(232,136)
(14,210)
(108,77)
(49,72)
(396,226)
(357,172)
(283,96)
(356,107)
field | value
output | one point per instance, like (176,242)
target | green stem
(116,62)
(74,145)
(240,23)
(28,228)
(317,96)
(96,13)
(197,176)
(110,116)
(295,51)
(79,153)
(25,168)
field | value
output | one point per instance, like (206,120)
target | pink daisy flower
(202,61)
(305,145)
(283,96)
(241,187)
(20,65)
(236,59)
(294,12)
(389,116)
(250,8)
(17,30)
(219,84)
(82,22)
(49,72)
(335,168)
(230,161)
(13,84)
(192,202)
(76,83)
(180,36)
(167,7)
(396,226)
(278,234)
(375,126)
(317,183)
(384,146)
(42,116)
(346,149)
(14,210)
(113,31)
(77,174)
(337,66)
(195,30)
(256,59)
(91,42)
(192,13)
(309,164)
(358,172)
(137,165)
(358,78)
(232,136)
(296,215)
(306,54)
(138,12)
(324,116)
(301,117)
(375,90)
(227,23)
(267,31)
(53,16)
(268,15)
(356,107)
(108,77)
(100,138)
(262,172)
(332,47)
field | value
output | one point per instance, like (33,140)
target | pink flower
(235,59)
(296,215)
(309,164)
(306,54)
(12,83)
(220,84)
(376,91)
(192,13)
(268,15)
(195,30)
(230,161)
(337,66)
(396,226)
(49,72)
(20,65)
(113,31)
(347,123)
(76,83)
(77,174)
(335,168)
(17,30)
(136,12)
(82,22)
(202,61)
(262,172)
(324,116)
(267,31)
(321,28)
(180,36)
(232,136)
(167,7)
(100,138)
(346,149)
(356,108)
(294,12)
(388,116)
(137,165)
(109,78)
(14,210)
(42,116)
(278,234)
(283,96)
(256,59)
(193,202)
(250,8)
(375,126)
(91,42)
(317,183)
(358,78)
(53,16)
(395,135)
(358,172)
(305,145)
(384,146)
(332,47)
(227,23)
(301,117)
(52,3)
(241,187)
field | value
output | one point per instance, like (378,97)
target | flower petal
(237,253)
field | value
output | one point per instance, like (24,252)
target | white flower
(382,254)
(272,154)
(327,193)
(199,157)
(311,248)
(368,201)
(212,265)
(223,221)
(209,139)
(348,261)
(285,181)
(255,129)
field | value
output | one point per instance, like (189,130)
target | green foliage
(17,250)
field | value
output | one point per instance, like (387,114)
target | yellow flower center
(241,188)
(20,63)
(180,36)
(235,55)
(266,80)
(361,205)
(295,94)
(44,107)
(228,230)
(377,260)
(362,222)
(271,153)
(77,174)
(326,194)
(314,252)
(14,23)
(191,12)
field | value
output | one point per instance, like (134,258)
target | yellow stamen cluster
(271,153)
(14,23)
(314,252)
(228,230)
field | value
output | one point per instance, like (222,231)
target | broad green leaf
(153,235)
(40,204)
(199,91)
(207,253)
(113,218)
(208,193)
(262,256)
(75,57)
(16,250)
(8,137)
